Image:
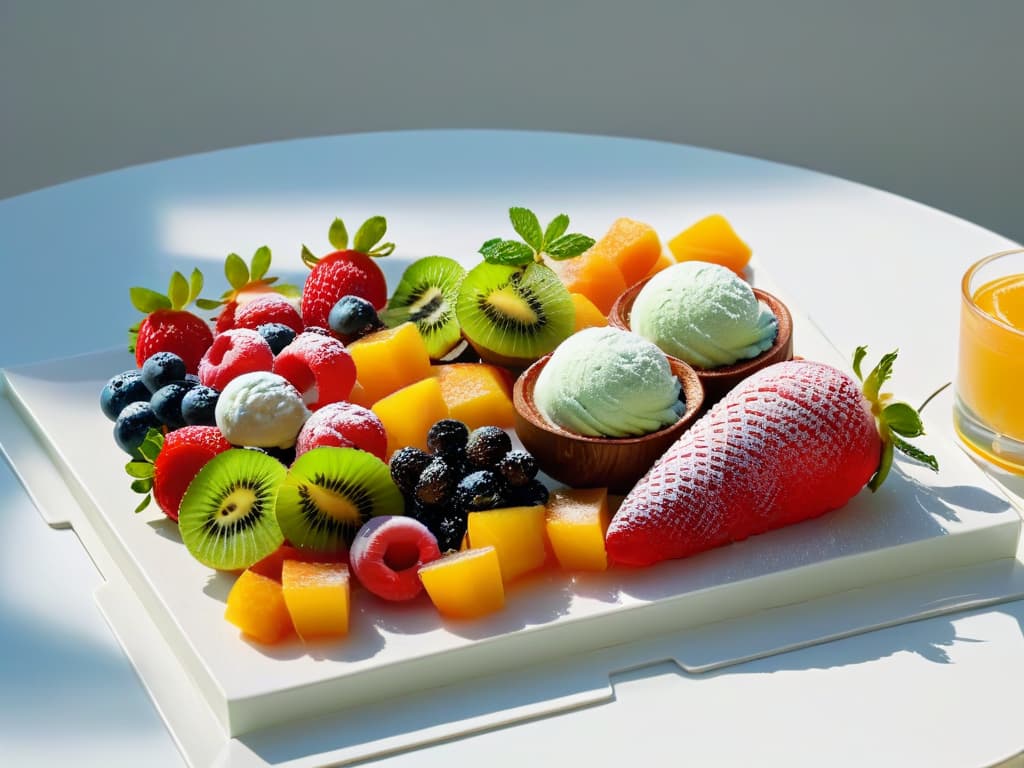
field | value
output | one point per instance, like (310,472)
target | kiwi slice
(514,314)
(226,518)
(329,493)
(426,295)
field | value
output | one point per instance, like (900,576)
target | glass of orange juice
(988,410)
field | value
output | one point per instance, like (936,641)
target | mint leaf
(208,304)
(143,504)
(338,235)
(884,465)
(139,469)
(260,263)
(556,228)
(509,252)
(144,485)
(370,233)
(151,445)
(903,420)
(195,285)
(526,225)
(236,271)
(916,453)
(879,375)
(146,301)
(858,357)
(568,246)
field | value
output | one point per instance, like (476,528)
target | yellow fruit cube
(577,519)
(632,246)
(410,412)
(317,596)
(256,606)
(388,360)
(517,533)
(466,584)
(711,239)
(477,394)
(587,315)
(663,261)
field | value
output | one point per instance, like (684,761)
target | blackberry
(437,482)
(135,420)
(518,468)
(353,317)
(450,530)
(448,438)
(486,446)
(533,494)
(277,335)
(407,464)
(284,455)
(161,368)
(199,406)
(122,389)
(166,403)
(479,490)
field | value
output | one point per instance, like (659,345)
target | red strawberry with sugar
(234,352)
(345,272)
(792,442)
(248,283)
(272,308)
(168,326)
(171,462)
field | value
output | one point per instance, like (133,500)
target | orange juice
(989,408)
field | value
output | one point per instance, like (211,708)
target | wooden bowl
(718,381)
(615,463)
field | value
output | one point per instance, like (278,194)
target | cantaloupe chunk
(476,394)
(711,239)
(466,584)
(517,533)
(256,606)
(587,315)
(410,412)
(270,566)
(577,519)
(594,275)
(317,597)
(663,261)
(632,246)
(388,360)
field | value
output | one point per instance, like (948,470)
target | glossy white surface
(133,227)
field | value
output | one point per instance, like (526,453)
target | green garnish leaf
(309,258)
(151,445)
(884,465)
(178,290)
(289,291)
(556,228)
(509,252)
(146,301)
(143,504)
(858,358)
(915,453)
(370,233)
(260,263)
(338,235)
(385,249)
(139,469)
(195,285)
(236,271)
(903,420)
(527,226)
(879,375)
(133,336)
(143,485)
(568,246)
(209,304)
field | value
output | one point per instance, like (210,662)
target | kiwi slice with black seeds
(226,518)
(329,493)
(513,315)
(426,295)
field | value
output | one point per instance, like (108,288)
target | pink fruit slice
(387,553)
(319,367)
(233,353)
(343,425)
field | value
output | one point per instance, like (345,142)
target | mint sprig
(536,242)
(141,471)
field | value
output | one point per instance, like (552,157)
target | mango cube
(256,606)
(711,239)
(595,276)
(587,315)
(477,394)
(663,262)
(517,533)
(466,584)
(317,597)
(388,360)
(410,412)
(632,246)
(577,519)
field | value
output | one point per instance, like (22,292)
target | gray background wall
(919,97)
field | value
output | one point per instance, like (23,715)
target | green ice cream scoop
(605,382)
(703,314)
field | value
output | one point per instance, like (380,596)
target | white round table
(864,265)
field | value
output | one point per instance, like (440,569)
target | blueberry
(449,531)
(534,493)
(448,438)
(352,317)
(122,389)
(166,403)
(407,464)
(193,378)
(130,429)
(161,368)
(437,482)
(199,405)
(479,490)
(517,467)
(487,446)
(278,335)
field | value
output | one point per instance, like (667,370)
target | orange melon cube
(256,606)
(577,519)
(587,315)
(711,239)
(663,261)
(632,246)
(317,597)
(359,396)
(477,394)
(466,584)
(388,360)
(410,412)
(517,533)
(594,275)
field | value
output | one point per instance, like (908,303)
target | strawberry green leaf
(236,271)
(151,445)
(903,420)
(146,301)
(884,465)
(133,336)
(338,235)
(195,286)
(288,291)
(858,358)
(384,249)
(178,290)
(260,263)
(144,485)
(209,304)
(556,228)
(915,453)
(879,375)
(143,504)
(508,252)
(370,233)
(309,258)
(568,246)
(526,225)
(139,469)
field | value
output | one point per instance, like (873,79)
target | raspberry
(233,353)
(319,367)
(387,553)
(226,319)
(184,453)
(343,425)
(272,308)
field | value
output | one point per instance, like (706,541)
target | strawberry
(790,443)
(345,272)
(171,462)
(168,327)
(248,283)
